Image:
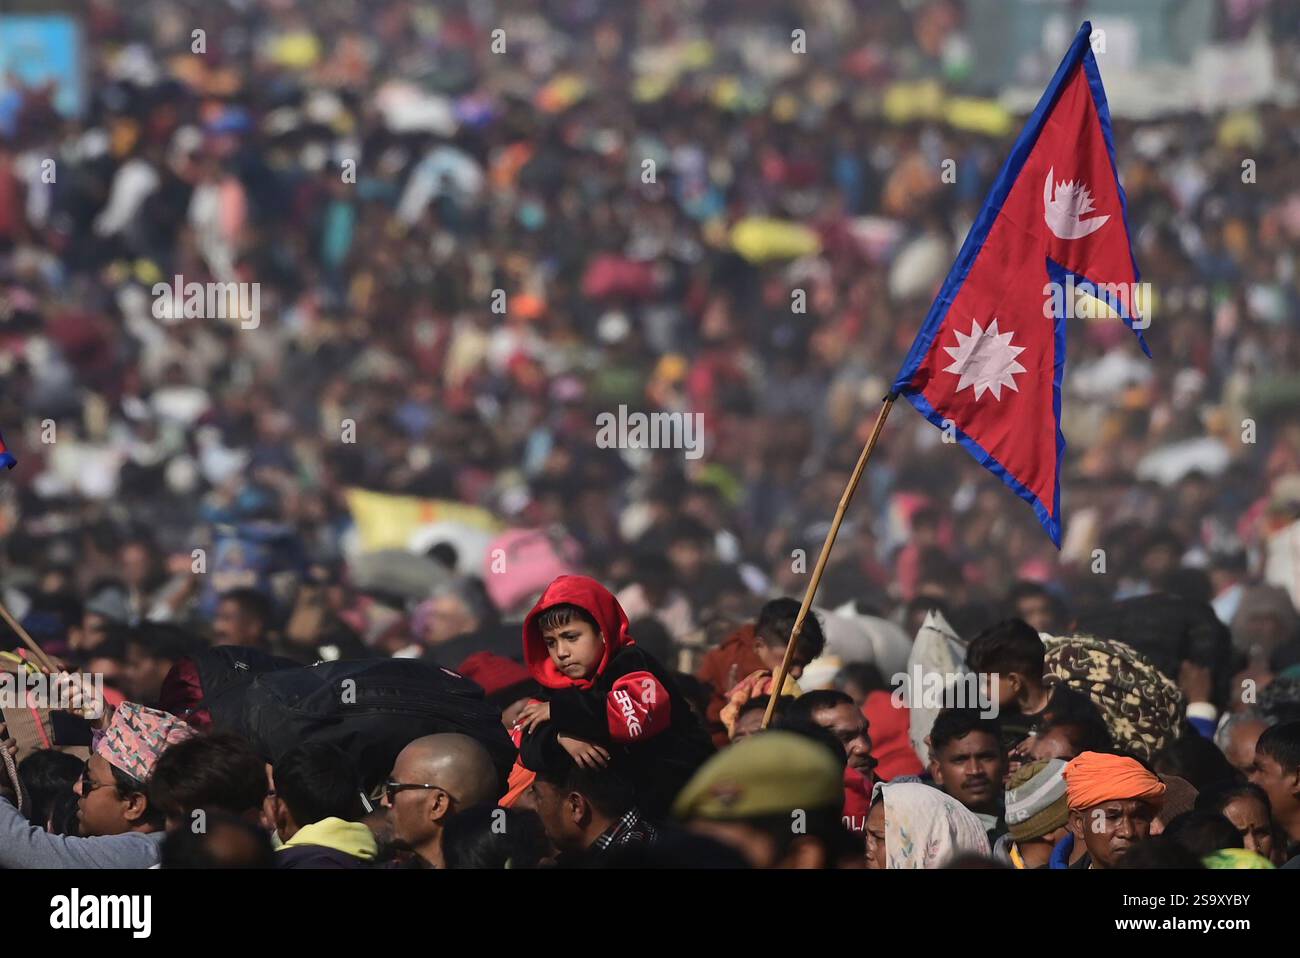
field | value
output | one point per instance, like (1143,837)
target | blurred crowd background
(398,456)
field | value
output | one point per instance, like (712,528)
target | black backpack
(207,688)
(370,708)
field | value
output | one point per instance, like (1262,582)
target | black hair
(252,602)
(1072,707)
(45,775)
(925,603)
(776,622)
(865,675)
(952,724)
(112,646)
(1168,630)
(218,772)
(1284,656)
(55,611)
(1009,646)
(695,691)
(1159,851)
(760,702)
(972,618)
(561,614)
(810,703)
(1196,759)
(653,571)
(937,568)
(487,836)
(337,640)
(1025,589)
(194,848)
(1191,585)
(652,637)
(126,784)
(160,640)
(473,593)
(1281,743)
(608,791)
(1161,537)
(317,780)
(1279,701)
(62,818)
(1203,833)
(1218,797)
(687,529)
(1088,733)
(445,553)
(717,580)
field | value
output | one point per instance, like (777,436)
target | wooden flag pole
(779,679)
(41,658)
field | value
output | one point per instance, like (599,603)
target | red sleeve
(638,707)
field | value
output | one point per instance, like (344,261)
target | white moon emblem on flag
(1063,207)
(985,360)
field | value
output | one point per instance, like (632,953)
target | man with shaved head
(434,778)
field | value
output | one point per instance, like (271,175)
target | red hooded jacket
(637,705)
(630,704)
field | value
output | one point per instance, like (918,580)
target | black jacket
(657,765)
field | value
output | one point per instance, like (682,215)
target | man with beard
(968,762)
(1113,801)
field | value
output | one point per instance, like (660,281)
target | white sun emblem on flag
(985,359)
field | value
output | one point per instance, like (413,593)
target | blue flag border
(1080,51)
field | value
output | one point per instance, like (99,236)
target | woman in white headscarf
(912,825)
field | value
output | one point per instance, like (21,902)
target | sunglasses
(390,790)
(88,784)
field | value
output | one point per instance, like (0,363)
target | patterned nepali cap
(137,736)
(1142,707)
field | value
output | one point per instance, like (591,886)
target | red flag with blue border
(990,356)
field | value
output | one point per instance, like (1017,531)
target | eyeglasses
(392,788)
(88,784)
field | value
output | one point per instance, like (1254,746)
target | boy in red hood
(606,701)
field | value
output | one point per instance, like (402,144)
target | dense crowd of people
(609,763)
(473,229)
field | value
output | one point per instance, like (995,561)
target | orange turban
(1094,778)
